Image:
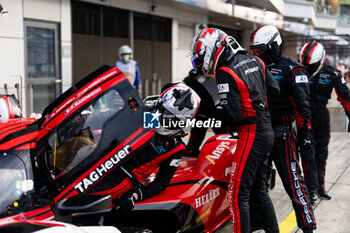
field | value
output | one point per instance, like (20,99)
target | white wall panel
(299,9)
(326,22)
(11,24)
(66,45)
(66,21)
(11,65)
(66,64)
(182,37)
(341,29)
(49,10)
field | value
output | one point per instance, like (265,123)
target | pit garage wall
(183,27)
(12,41)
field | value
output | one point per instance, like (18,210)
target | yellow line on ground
(288,224)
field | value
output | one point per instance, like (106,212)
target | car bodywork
(42,168)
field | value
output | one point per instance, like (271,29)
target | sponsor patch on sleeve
(343,80)
(301,79)
(175,162)
(223,96)
(223,88)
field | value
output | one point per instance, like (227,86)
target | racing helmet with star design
(208,46)
(178,102)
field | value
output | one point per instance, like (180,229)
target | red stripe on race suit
(218,53)
(301,122)
(264,69)
(143,171)
(73,108)
(247,108)
(293,156)
(302,186)
(71,187)
(289,156)
(17,141)
(246,136)
(345,103)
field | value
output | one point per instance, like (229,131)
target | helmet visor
(313,69)
(197,61)
(258,50)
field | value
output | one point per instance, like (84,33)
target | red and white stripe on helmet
(207,46)
(312,55)
(265,35)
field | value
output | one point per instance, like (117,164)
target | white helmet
(261,39)
(312,56)
(179,102)
(207,46)
(125,49)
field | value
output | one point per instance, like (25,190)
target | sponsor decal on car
(96,82)
(227,171)
(103,169)
(211,195)
(83,100)
(218,151)
(70,100)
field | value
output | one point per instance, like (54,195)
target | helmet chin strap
(229,41)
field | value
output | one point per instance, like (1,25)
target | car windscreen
(12,182)
(76,139)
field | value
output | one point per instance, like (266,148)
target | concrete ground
(333,215)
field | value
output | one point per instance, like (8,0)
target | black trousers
(315,170)
(284,156)
(248,179)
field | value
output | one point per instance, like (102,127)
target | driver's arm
(165,173)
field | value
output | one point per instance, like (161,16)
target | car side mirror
(81,204)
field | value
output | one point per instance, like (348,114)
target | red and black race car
(48,164)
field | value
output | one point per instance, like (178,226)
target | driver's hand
(126,201)
(304,144)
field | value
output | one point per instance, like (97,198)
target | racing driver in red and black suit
(242,81)
(325,78)
(292,104)
(164,152)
